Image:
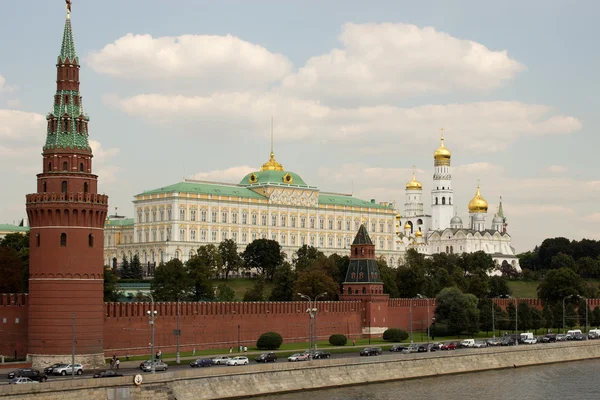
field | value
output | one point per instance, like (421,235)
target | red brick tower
(66,216)
(364,284)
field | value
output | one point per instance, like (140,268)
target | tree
(478,285)
(550,248)
(457,310)
(111,288)
(477,263)
(305,256)
(595,317)
(581,310)
(230,259)
(269,341)
(571,316)
(559,283)
(263,255)
(410,276)
(11,271)
(342,263)
(20,244)
(511,314)
(499,287)
(283,283)
(225,293)
(125,272)
(200,274)
(326,265)
(529,260)
(388,277)
(486,322)
(314,281)
(170,281)
(256,292)
(524,316)
(587,267)
(536,318)
(135,268)
(547,317)
(508,271)
(562,260)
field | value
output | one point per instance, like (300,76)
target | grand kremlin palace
(173,221)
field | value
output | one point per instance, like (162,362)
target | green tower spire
(67,50)
(501,210)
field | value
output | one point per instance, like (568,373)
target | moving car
(221,360)
(48,370)
(321,354)
(201,362)
(299,357)
(266,357)
(509,341)
(371,351)
(18,381)
(67,369)
(549,338)
(107,374)
(158,366)
(30,373)
(240,360)
(494,342)
(398,348)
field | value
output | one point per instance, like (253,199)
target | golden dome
(414,183)
(442,153)
(398,216)
(478,203)
(272,165)
(407,226)
(419,233)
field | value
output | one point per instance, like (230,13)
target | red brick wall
(13,334)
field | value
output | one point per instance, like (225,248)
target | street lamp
(152,313)
(178,331)
(312,319)
(428,318)
(563,304)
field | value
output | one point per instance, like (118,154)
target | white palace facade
(272,203)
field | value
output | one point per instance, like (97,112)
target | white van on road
(467,343)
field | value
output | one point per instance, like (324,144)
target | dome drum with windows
(272,172)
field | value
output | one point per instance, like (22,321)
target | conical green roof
(362,270)
(362,237)
(67,50)
(501,210)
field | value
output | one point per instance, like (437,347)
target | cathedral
(443,231)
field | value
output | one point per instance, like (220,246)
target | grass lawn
(240,285)
(523,289)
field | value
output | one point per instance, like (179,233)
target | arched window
(362,251)
(64,187)
(436,200)
(449,200)
(85,187)
(44,187)
(37,238)
(49,166)
(91,240)
(364,290)
(63,239)
(443,200)
(447,249)
(65,166)
(419,222)
(80,167)
(349,290)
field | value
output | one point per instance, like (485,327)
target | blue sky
(358,91)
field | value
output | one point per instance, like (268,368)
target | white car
(221,360)
(241,360)
(21,380)
(66,369)
(479,344)
(530,341)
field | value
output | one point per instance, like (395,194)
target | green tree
(225,293)
(485,314)
(256,292)
(314,281)
(229,257)
(536,318)
(283,283)
(587,267)
(559,283)
(20,244)
(581,308)
(562,260)
(524,315)
(111,288)
(529,260)
(478,285)
(305,257)
(457,310)
(499,287)
(125,272)
(388,277)
(170,281)
(135,268)
(11,271)
(595,317)
(479,263)
(509,323)
(547,317)
(200,274)
(410,276)
(263,255)
(571,316)
(342,263)
(550,248)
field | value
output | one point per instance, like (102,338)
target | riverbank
(240,382)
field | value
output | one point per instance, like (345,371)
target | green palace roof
(278,178)
(119,222)
(13,228)
(338,199)
(206,188)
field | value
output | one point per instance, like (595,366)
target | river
(575,380)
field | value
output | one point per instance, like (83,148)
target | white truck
(528,338)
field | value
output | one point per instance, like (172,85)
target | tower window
(76,100)
(91,240)
(63,239)
(443,200)
(66,95)
(44,187)
(65,166)
(85,187)
(37,239)
(80,167)
(64,187)
(49,166)
(436,200)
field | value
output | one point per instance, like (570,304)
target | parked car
(158,366)
(321,354)
(509,341)
(221,360)
(48,370)
(240,360)
(266,357)
(578,336)
(413,348)
(67,369)
(18,381)
(422,348)
(299,357)
(397,348)
(371,351)
(30,373)
(107,374)
(549,338)
(201,362)
(479,344)
(560,338)
(467,343)
(594,334)
(494,342)
(434,347)
(530,341)
(448,346)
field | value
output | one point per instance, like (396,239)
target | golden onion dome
(272,165)
(442,153)
(419,233)
(478,203)
(398,216)
(414,184)
(407,226)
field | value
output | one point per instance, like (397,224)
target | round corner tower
(66,216)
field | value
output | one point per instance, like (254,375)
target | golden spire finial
(68,5)
(271,165)
(414,168)
(272,154)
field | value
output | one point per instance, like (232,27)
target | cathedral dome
(456,220)
(272,165)
(414,184)
(497,220)
(478,203)
(419,234)
(442,153)
(407,226)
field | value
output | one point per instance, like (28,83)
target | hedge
(338,340)
(269,341)
(395,335)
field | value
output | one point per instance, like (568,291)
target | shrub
(395,335)
(269,341)
(338,340)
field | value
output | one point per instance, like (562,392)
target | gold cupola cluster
(478,203)
(272,165)
(414,184)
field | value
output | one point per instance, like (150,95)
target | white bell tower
(442,194)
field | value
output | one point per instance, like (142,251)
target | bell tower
(363,283)
(66,215)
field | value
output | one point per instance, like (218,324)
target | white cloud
(594,217)
(230,175)
(528,210)
(558,169)
(477,168)
(19,125)
(387,59)
(4,87)
(106,172)
(197,60)
(485,126)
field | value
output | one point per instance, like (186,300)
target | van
(526,335)
(594,333)
(572,333)
(467,343)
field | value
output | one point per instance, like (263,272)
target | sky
(358,92)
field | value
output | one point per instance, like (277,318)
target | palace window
(356,225)
(213,236)
(154,235)
(153,215)
(273,236)
(302,240)
(203,215)
(347,241)
(193,215)
(244,237)
(253,236)
(63,239)
(224,217)
(193,235)
(372,227)
(147,216)
(381,244)
(223,235)
(330,241)
(283,218)
(147,236)
(244,218)
(381,227)
(254,219)
(139,238)
(321,241)
(234,237)
(321,223)
(264,219)
(330,224)
(168,233)
(312,240)
(339,242)
(283,236)
(347,224)
(203,235)
(213,217)
(177,254)
(312,222)
(293,240)
(263,235)
(303,222)
(162,235)
(234,218)
(274,220)
(293,221)
(169,214)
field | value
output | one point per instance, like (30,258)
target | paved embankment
(232,382)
